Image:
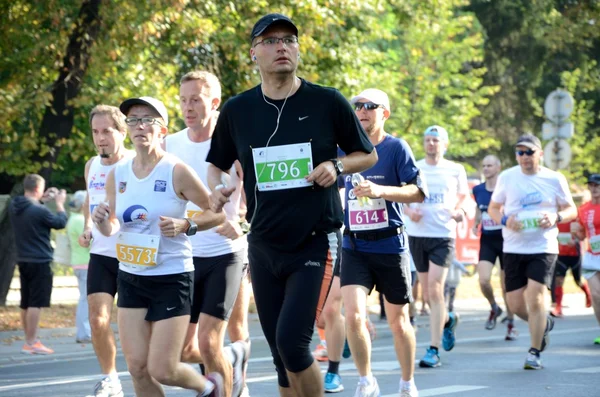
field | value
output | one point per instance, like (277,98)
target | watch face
(340,166)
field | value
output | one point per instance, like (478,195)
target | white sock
(408,384)
(208,388)
(113,377)
(366,380)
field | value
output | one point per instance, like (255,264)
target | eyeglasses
(528,152)
(271,41)
(133,121)
(368,106)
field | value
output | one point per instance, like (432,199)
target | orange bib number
(137,250)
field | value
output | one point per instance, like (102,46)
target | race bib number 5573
(282,167)
(137,250)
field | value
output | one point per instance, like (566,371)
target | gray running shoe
(533,362)
(490,324)
(106,388)
(239,374)
(217,380)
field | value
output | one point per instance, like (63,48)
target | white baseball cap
(374,95)
(147,101)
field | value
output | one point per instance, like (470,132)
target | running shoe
(108,388)
(431,359)
(549,327)
(36,348)
(372,390)
(320,353)
(217,380)
(409,393)
(511,332)
(597,341)
(346,353)
(556,312)
(333,383)
(490,324)
(533,362)
(239,351)
(449,336)
(245,392)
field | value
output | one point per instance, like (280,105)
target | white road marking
(589,370)
(440,391)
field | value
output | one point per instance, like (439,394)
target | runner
(285,133)
(144,207)
(535,199)
(588,227)
(108,134)
(218,252)
(375,249)
(432,230)
(569,257)
(490,245)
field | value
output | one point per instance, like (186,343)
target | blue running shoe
(431,359)
(346,353)
(333,383)
(449,338)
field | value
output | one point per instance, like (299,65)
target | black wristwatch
(338,165)
(558,218)
(192,229)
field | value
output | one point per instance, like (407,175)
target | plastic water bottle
(357,179)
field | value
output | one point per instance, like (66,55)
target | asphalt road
(481,364)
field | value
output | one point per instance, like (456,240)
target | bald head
(491,166)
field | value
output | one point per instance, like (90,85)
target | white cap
(148,101)
(374,95)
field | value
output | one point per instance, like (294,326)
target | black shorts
(102,275)
(216,284)
(564,263)
(164,296)
(390,273)
(36,284)
(490,249)
(290,289)
(518,268)
(438,250)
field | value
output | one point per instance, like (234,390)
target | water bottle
(357,179)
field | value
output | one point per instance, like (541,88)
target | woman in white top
(145,207)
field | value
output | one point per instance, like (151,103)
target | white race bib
(136,250)
(565,239)
(282,167)
(595,244)
(367,216)
(487,223)
(591,261)
(530,220)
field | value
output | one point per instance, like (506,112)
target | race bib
(136,250)
(565,238)
(591,262)
(435,198)
(530,220)
(95,199)
(487,223)
(595,244)
(367,216)
(282,167)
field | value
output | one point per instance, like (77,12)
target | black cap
(268,20)
(530,141)
(594,178)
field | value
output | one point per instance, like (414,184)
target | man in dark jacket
(31,223)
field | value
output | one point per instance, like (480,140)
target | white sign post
(557,108)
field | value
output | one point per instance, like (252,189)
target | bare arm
(104,213)
(359,161)
(399,194)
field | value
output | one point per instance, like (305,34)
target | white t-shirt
(530,197)
(445,181)
(207,243)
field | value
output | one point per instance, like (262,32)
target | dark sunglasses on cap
(368,106)
(528,152)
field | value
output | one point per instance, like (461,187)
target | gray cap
(147,101)
(530,141)
(77,199)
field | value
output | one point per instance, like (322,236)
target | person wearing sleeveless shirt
(145,207)
(587,228)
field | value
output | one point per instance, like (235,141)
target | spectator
(31,222)
(80,256)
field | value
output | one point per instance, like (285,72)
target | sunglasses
(368,106)
(528,152)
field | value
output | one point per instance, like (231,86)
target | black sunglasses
(368,106)
(528,152)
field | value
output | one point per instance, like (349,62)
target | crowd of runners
(303,192)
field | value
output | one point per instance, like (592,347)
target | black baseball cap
(269,20)
(594,178)
(530,141)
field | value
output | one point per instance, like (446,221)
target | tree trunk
(58,116)
(8,258)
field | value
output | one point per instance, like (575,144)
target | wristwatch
(192,229)
(338,165)
(559,218)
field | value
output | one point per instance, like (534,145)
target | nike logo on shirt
(302,118)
